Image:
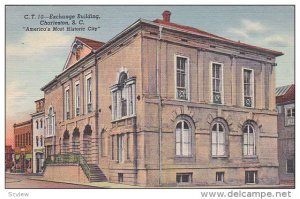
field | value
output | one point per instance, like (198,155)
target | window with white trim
(184,178)
(251,177)
(120,148)
(290,116)
(67,103)
(220,176)
(217,83)
(89,94)
(249,140)
(123,97)
(218,140)
(248,87)
(77,98)
(182,77)
(183,139)
(50,122)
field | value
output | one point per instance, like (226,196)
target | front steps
(96,174)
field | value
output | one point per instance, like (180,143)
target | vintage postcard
(150,97)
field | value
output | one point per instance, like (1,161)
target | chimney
(166,16)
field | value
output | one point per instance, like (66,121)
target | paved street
(23,181)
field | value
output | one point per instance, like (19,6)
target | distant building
(23,146)
(38,129)
(9,153)
(285,100)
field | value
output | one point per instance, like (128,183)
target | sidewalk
(109,185)
(103,185)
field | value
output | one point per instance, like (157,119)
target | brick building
(23,146)
(162,104)
(38,126)
(285,100)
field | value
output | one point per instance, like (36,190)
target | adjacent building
(9,158)
(163,104)
(285,100)
(23,146)
(38,121)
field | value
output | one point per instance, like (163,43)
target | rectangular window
(41,140)
(114,106)
(182,78)
(184,178)
(37,141)
(248,87)
(67,104)
(217,83)
(290,166)
(120,177)
(112,148)
(77,99)
(89,94)
(220,176)
(290,116)
(251,177)
(120,148)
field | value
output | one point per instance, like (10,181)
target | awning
(28,156)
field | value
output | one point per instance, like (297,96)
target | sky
(34,58)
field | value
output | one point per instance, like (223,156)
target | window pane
(185,136)
(178,148)
(214,149)
(245,138)
(221,137)
(245,149)
(185,149)
(221,149)
(214,137)
(178,79)
(178,132)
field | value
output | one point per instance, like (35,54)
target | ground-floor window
(184,178)
(220,176)
(120,177)
(251,177)
(290,166)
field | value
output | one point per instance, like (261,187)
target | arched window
(37,124)
(123,97)
(218,142)
(41,122)
(51,122)
(183,139)
(122,79)
(249,140)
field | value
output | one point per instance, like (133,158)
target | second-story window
(123,97)
(248,87)
(89,93)
(77,99)
(37,140)
(290,116)
(217,83)
(50,118)
(182,78)
(67,104)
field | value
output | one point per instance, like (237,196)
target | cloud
(278,40)
(248,28)
(37,43)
